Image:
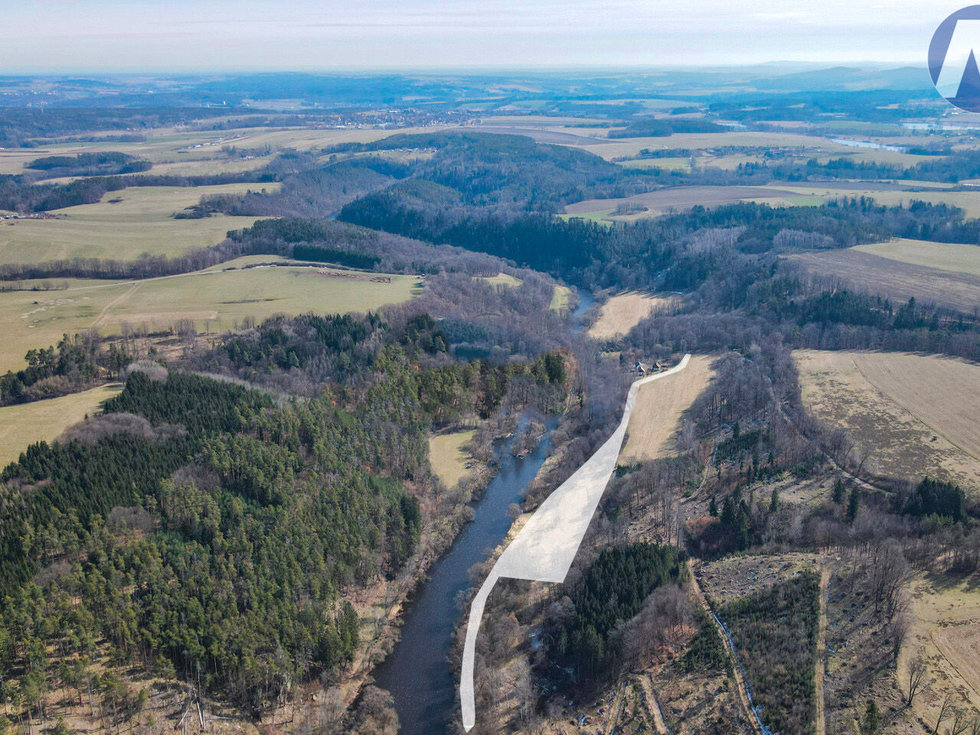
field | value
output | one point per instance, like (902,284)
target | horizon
(151,37)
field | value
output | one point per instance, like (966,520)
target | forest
(611,592)
(775,632)
(147,513)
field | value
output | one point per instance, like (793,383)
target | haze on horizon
(82,36)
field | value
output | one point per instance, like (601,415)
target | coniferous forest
(203,529)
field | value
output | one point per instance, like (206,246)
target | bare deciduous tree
(917,672)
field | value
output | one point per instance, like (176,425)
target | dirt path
(615,710)
(821,668)
(119,299)
(743,694)
(653,705)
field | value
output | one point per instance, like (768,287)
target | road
(546,546)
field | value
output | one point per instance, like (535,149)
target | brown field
(680,198)
(448,456)
(915,414)
(889,276)
(27,423)
(659,407)
(624,311)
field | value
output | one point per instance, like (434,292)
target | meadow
(123,225)
(681,198)
(659,408)
(623,311)
(27,423)
(944,629)
(449,457)
(887,195)
(215,299)
(953,257)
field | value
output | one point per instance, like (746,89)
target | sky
(325,35)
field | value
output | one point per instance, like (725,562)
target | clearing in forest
(624,311)
(27,423)
(915,414)
(659,406)
(448,456)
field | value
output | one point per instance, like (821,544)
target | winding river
(417,671)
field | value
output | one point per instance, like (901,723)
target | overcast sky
(187,35)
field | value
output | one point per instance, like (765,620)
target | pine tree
(838,490)
(872,719)
(853,502)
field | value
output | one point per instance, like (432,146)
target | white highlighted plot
(546,546)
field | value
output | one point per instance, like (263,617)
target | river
(417,671)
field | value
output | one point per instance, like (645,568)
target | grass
(503,280)
(600,216)
(624,311)
(915,414)
(124,225)
(968,201)
(448,456)
(659,407)
(669,164)
(25,424)
(215,299)
(943,628)
(561,298)
(944,256)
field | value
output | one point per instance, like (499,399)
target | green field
(124,225)
(504,280)
(23,425)
(216,299)
(967,200)
(944,256)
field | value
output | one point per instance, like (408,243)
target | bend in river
(417,671)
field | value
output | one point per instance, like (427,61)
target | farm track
(653,705)
(821,663)
(743,694)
